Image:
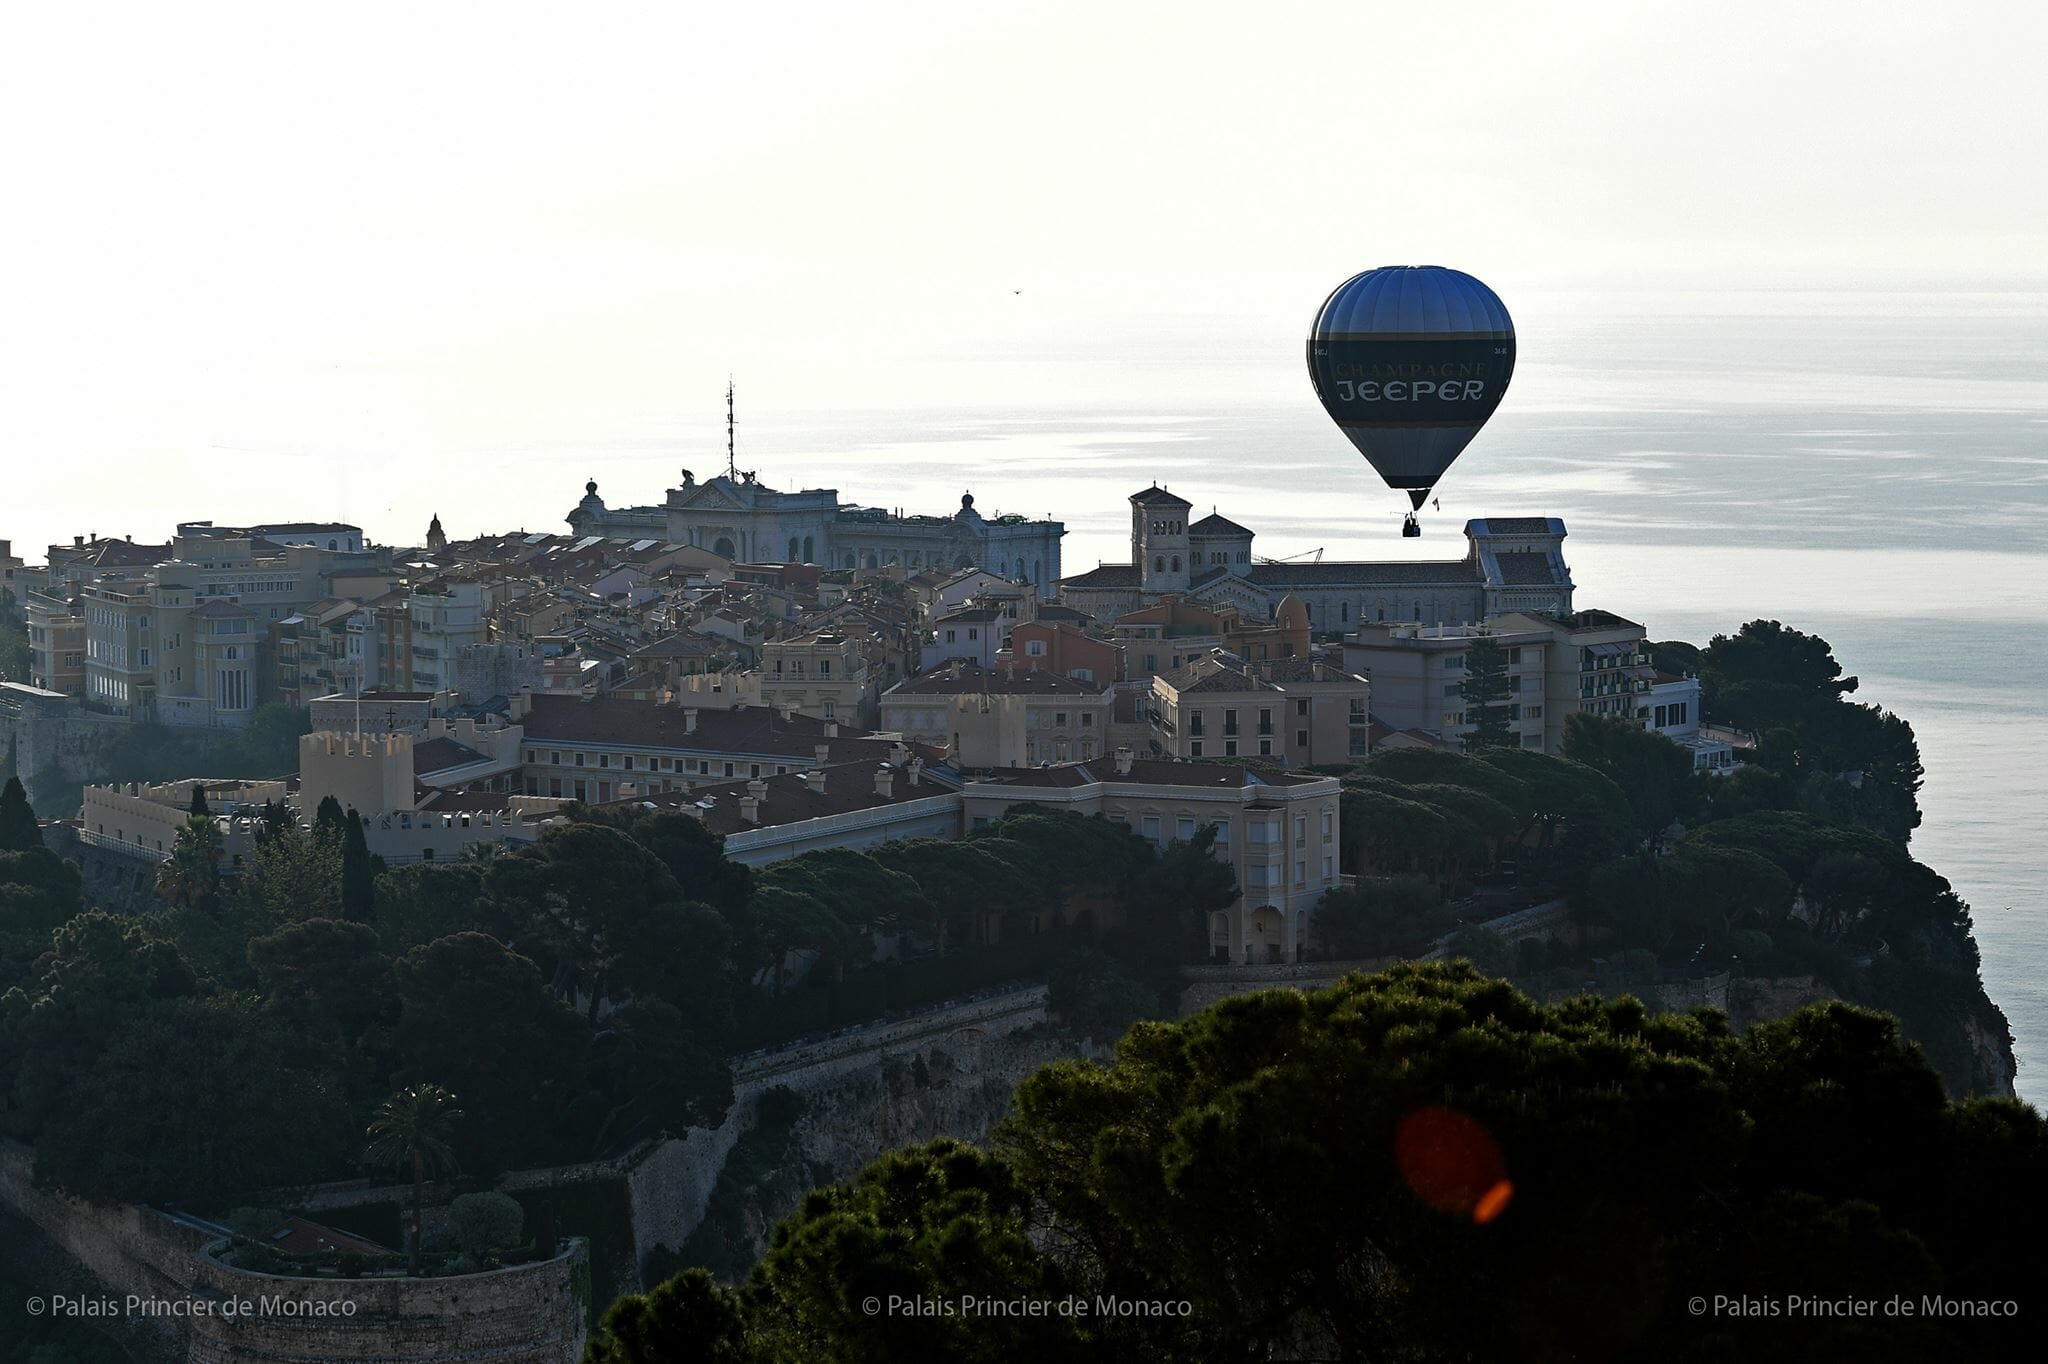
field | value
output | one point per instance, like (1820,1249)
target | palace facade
(748,521)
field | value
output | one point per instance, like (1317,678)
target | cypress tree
(358,875)
(1486,695)
(18,828)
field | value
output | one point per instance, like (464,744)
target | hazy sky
(295,261)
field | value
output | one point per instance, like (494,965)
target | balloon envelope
(1410,360)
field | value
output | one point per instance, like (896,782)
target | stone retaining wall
(528,1314)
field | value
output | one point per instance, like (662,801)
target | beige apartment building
(1418,678)
(445,616)
(182,640)
(1596,663)
(1299,710)
(1001,717)
(1280,831)
(56,643)
(1558,666)
(822,673)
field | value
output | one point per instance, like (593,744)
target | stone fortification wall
(671,1185)
(528,1314)
(132,1251)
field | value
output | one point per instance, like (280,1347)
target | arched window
(807,549)
(1344,613)
(851,562)
(1418,612)
(1176,563)
(790,557)
(1038,570)
(873,562)
(723,547)
(1159,564)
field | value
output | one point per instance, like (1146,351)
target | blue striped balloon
(1411,360)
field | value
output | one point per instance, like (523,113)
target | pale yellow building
(1001,717)
(821,673)
(1418,678)
(56,643)
(1301,711)
(1280,831)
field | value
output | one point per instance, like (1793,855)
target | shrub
(484,1222)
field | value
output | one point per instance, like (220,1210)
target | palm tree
(190,876)
(412,1129)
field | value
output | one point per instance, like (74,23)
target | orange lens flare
(1493,1202)
(1453,1164)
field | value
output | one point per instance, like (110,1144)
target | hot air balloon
(1410,360)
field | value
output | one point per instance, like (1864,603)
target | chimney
(750,806)
(522,704)
(689,719)
(916,770)
(953,670)
(899,752)
(885,780)
(823,752)
(814,779)
(758,788)
(788,711)
(1123,761)
(831,729)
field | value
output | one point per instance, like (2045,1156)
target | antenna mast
(732,472)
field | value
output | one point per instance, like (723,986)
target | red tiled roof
(997,681)
(647,724)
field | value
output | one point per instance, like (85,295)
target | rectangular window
(1185,831)
(1301,831)
(1301,873)
(1087,718)
(1230,748)
(1059,719)
(1150,827)
(1265,748)
(1301,707)
(1301,738)
(1195,749)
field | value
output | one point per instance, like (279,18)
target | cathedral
(1511,563)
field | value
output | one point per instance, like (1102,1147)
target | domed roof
(1290,613)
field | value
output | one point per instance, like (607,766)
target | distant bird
(1437,503)
(1016,291)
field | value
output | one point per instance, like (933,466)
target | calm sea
(1873,468)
